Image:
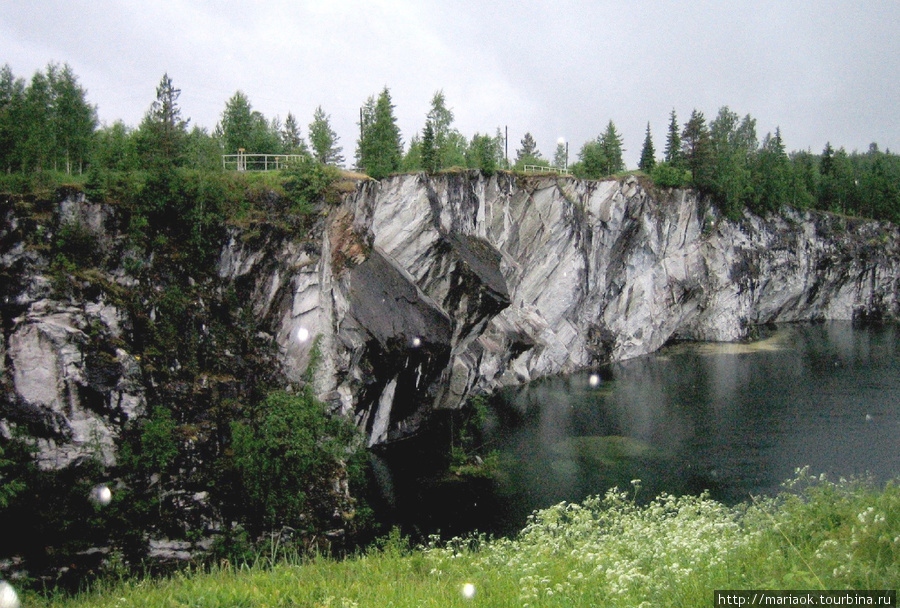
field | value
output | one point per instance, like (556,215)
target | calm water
(731,419)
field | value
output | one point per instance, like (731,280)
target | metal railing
(257,162)
(543,169)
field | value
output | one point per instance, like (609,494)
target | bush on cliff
(286,457)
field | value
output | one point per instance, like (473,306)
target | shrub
(666,175)
(286,458)
(307,180)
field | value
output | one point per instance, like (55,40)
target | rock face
(430,289)
(64,377)
(419,291)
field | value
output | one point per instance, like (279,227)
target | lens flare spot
(101,495)
(468,591)
(594,381)
(8,597)
(416,342)
(302,334)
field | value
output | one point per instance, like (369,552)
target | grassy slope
(605,551)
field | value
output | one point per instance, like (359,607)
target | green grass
(606,551)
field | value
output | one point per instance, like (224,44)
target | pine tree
(648,153)
(673,154)
(323,140)
(528,154)
(380,150)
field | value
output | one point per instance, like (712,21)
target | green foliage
(561,156)
(696,151)
(528,154)
(114,148)
(323,140)
(243,128)
(158,444)
(429,152)
(46,125)
(202,151)
(482,154)
(611,144)
(10,484)
(592,162)
(285,456)
(77,244)
(673,153)
(667,175)
(648,153)
(291,140)
(307,180)
(449,144)
(162,136)
(605,551)
(379,151)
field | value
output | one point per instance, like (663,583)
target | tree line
(48,124)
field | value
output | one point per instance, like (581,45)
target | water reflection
(731,419)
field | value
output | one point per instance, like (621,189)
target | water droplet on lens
(468,591)
(101,495)
(416,342)
(303,334)
(594,381)
(8,597)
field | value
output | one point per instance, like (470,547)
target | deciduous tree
(323,139)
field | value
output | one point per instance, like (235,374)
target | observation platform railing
(257,162)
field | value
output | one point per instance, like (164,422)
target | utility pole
(506,146)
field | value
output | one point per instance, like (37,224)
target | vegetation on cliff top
(47,124)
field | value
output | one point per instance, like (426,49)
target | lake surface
(733,419)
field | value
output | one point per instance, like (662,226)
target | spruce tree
(673,154)
(648,154)
(291,139)
(611,144)
(380,149)
(430,161)
(163,133)
(696,150)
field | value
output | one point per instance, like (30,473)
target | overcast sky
(821,70)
